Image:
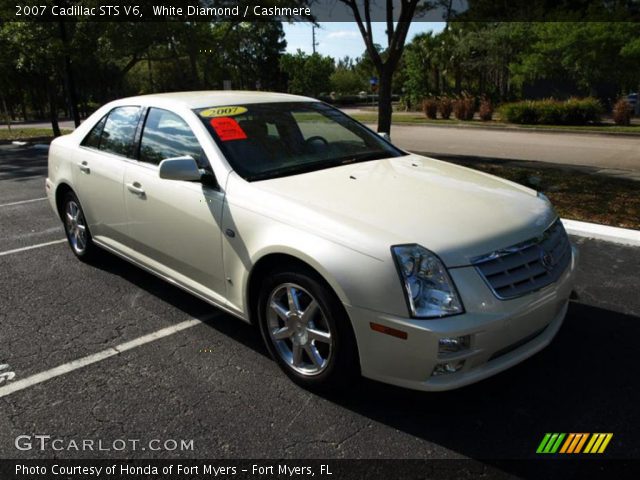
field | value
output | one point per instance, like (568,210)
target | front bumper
(502,332)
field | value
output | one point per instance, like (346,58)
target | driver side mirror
(180,168)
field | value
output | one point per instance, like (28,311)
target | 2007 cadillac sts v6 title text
(351,255)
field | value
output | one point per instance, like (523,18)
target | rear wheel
(307,330)
(76,228)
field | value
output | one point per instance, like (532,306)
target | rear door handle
(135,188)
(84,167)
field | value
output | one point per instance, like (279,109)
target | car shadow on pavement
(586,380)
(192,306)
(20,163)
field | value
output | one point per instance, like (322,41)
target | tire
(76,229)
(314,343)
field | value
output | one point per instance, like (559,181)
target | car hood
(456,212)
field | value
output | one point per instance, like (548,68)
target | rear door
(174,224)
(99,172)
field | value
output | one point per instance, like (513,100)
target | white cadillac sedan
(351,255)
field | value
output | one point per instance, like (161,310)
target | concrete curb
(622,236)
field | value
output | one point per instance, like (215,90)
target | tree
(307,74)
(249,53)
(595,56)
(37,59)
(420,65)
(346,81)
(396,36)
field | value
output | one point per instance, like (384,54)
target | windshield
(268,140)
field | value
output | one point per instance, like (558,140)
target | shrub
(622,112)
(549,112)
(574,111)
(520,112)
(486,110)
(445,107)
(464,107)
(430,108)
(582,111)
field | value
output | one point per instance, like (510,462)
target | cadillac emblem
(547,260)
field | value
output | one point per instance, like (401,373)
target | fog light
(446,368)
(454,344)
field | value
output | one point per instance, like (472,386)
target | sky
(340,39)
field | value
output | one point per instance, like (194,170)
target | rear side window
(119,131)
(166,135)
(92,140)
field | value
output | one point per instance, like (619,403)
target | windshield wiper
(310,167)
(363,157)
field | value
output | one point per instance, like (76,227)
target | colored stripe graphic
(543,443)
(553,443)
(591,442)
(598,442)
(606,442)
(567,442)
(550,443)
(577,438)
(581,442)
(556,445)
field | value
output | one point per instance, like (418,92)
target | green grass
(578,195)
(416,118)
(28,133)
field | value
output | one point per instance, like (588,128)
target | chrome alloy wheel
(76,227)
(299,329)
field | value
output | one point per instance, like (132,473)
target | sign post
(373,82)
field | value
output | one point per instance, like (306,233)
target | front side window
(166,135)
(119,131)
(269,140)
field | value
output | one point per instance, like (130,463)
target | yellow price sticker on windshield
(222,112)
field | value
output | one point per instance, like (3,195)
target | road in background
(63,124)
(602,151)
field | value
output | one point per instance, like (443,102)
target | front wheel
(76,228)
(307,331)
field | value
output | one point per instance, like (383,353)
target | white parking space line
(96,357)
(23,201)
(31,247)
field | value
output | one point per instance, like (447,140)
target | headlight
(429,289)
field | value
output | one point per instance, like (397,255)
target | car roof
(214,98)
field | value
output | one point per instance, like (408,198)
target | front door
(174,224)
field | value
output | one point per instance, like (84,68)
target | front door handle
(136,188)
(84,167)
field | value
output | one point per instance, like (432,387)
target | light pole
(314,44)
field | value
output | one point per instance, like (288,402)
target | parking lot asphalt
(213,383)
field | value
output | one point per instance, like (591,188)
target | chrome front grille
(528,266)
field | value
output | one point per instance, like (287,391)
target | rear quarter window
(92,140)
(119,131)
